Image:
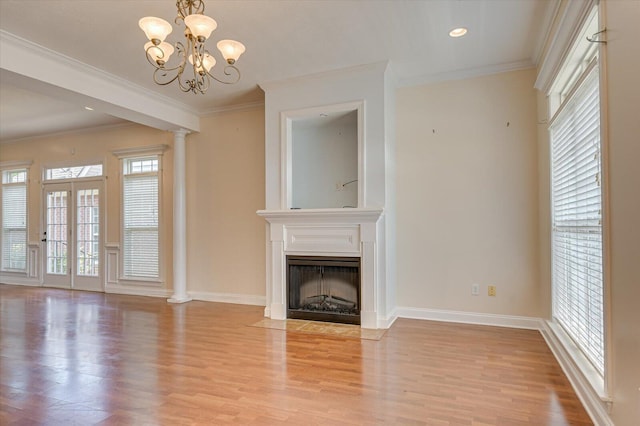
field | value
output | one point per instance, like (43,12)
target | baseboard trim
(597,406)
(137,291)
(238,299)
(386,323)
(529,323)
(14,280)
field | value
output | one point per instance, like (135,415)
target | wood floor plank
(90,358)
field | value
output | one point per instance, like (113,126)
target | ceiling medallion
(192,71)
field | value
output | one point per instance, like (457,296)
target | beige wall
(623,68)
(225,188)
(467,195)
(544,207)
(94,146)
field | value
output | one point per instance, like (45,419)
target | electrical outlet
(475,290)
(339,186)
(492,290)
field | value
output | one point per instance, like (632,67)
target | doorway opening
(72,236)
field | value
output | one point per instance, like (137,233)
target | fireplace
(324,288)
(365,171)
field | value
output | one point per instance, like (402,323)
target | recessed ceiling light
(88,108)
(458,32)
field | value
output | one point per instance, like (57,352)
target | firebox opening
(324,288)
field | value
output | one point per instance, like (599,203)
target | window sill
(575,365)
(19,272)
(147,282)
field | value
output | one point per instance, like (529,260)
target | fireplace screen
(324,288)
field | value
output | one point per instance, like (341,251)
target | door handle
(44,240)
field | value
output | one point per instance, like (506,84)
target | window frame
(48,169)
(8,167)
(125,156)
(572,70)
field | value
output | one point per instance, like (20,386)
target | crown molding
(547,23)
(565,26)
(90,129)
(64,77)
(376,67)
(233,108)
(465,73)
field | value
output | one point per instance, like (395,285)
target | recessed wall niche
(324,160)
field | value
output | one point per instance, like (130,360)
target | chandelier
(192,71)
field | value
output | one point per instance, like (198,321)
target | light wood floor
(90,358)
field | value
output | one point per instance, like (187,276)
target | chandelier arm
(203,83)
(163,73)
(197,82)
(186,86)
(235,72)
(148,55)
(179,47)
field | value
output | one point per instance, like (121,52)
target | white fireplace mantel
(324,232)
(345,215)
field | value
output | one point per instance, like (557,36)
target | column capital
(180,134)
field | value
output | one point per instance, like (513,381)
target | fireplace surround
(327,233)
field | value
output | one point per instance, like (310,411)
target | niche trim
(286,146)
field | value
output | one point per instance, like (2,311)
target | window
(140,217)
(73,172)
(14,220)
(577,243)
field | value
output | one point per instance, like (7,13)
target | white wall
(467,195)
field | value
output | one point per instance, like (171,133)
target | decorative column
(179,219)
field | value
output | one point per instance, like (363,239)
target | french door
(73,235)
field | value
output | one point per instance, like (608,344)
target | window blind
(577,229)
(140,199)
(14,227)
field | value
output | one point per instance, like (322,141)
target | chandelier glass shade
(192,71)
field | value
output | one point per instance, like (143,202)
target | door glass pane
(88,232)
(57,232)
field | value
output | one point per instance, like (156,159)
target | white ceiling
(284,38)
